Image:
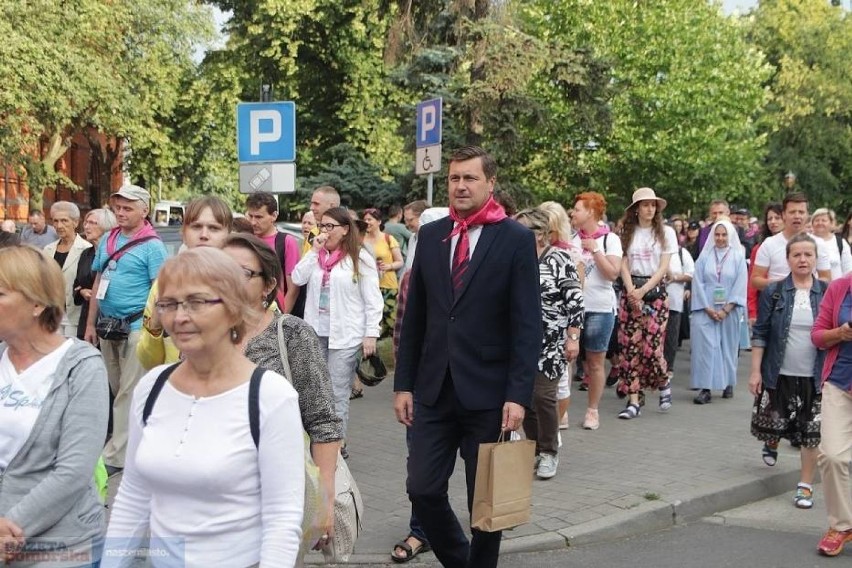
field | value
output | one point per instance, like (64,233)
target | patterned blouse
(310,374)
(561,308)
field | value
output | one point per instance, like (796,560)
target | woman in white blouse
(210,489)
(343,303)
(824,221)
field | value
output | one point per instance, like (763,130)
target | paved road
(629,477)
(768,533)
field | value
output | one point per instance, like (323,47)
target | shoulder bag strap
(282,350)
(254,404)
(604,242)
(155,392)
(129,245)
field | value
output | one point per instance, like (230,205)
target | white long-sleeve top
(194,478)
(355,304)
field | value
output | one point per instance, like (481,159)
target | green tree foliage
(809,120)
(687,90)
(114,66)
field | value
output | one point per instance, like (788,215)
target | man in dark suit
(468,353)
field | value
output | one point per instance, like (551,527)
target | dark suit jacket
(489,335)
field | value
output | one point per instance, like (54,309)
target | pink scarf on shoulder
(147,230)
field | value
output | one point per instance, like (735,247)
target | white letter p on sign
(427,121)
(258,137)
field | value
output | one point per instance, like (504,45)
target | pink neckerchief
(491,212)
(327,261)
(147,230)
(601,231)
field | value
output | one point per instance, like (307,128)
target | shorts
(597,331)
(564,388)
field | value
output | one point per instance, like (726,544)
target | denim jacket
(770,331)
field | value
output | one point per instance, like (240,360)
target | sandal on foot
(356,393)
(407,550)
(804,498)
(630,412)
(770,455)
(665,398)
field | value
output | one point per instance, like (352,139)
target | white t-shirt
(194,472)
(772,254)
(800,354)
(21,397)
(840,261)
(675,289)
(598,295)
(643,256)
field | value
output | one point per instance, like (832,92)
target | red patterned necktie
(461,259)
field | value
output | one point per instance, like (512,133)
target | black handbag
(115,329)
(654,294)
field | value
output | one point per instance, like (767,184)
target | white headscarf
(703,298)
(733,239)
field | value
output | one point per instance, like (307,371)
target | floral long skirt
(640,364)
(792,410)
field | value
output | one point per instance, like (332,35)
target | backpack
(280,251)
(313,488)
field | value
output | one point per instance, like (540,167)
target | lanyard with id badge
(112,264)
(720,295)
(106,275)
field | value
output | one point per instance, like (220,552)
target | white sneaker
(559,439)
(537,461)
(547,466)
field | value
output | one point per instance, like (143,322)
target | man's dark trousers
(438,432)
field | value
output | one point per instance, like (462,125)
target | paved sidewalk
(627,478)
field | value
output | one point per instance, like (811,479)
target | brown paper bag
(502,496)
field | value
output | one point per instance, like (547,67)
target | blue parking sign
(429,123)
(266,132)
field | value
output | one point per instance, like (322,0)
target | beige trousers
(835,452)
(124,372)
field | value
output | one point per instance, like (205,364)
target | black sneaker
(704,397)
(728,392)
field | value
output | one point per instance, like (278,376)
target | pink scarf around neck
(491,212)
(601,231)
(327,260)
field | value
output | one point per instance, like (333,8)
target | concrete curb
(648,517)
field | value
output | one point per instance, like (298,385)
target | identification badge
(324,302)
(719,295)
(102,288)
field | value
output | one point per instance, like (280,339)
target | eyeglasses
(327,226)
(190,306)
(249,273)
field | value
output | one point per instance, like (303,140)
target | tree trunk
(475,128)
(40,172)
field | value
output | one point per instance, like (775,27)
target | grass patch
(651,496)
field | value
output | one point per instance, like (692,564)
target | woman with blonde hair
(824,223)
(560,235)
(214,472)
(48,446)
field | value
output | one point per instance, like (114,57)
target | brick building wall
(80,164)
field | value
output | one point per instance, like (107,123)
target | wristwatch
(574,337)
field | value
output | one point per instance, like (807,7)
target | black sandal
(770,454)
(356,393)
(409,552)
